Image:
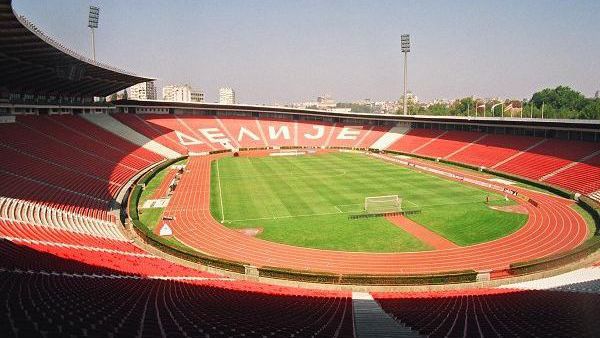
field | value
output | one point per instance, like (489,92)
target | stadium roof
(33,63)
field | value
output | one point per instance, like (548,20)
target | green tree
(591,110)
(438,109)
(463,107)
(560,98)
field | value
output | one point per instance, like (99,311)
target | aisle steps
(116,127)
(390,137)
(371,321)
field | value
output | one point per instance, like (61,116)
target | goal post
(383,204)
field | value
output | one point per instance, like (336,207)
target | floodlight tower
(93,24)
(405,46)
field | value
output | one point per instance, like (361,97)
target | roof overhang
(33,63)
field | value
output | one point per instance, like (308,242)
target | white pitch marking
(220,193)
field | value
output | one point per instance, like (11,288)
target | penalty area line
(408,201)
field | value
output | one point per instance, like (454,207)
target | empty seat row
(40,215)
(511,313)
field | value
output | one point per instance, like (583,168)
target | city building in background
(411,99)
(182,93)
(197,96)
(325,102)
(226,95)
(143,91)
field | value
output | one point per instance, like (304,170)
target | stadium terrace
(155,218)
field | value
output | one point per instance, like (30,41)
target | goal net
(382,204)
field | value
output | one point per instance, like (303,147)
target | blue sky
(289,51)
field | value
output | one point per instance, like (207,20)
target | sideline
(220,192)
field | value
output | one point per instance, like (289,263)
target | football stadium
(157,218)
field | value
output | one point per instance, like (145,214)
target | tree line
(561,102)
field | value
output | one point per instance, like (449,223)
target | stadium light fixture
(496,105)
(93,17)
(405,47)
(482,105)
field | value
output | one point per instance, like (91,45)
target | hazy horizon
(283,52)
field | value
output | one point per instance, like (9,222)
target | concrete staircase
(371,321)
(391,137)
(114,126)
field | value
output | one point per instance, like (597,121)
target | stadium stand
(448,143)
(194,142)
(280,132)
(547,157)
(583,177)
(68,269)
(389,138)
(81,173)
(91,300)
(567,279)
(152,131)
(574,165)
(116,128)
(245,133)
(370,136)
(308,132)
(415,139)
(492,313)
(372,321)
(493,149)
(37,214)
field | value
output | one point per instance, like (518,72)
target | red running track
(552,227)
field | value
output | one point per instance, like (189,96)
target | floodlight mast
(93,17)
(405,47)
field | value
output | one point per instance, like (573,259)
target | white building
(226,95)
(197,96)
(183,93)
(411,98)
(325,102)
(142,91)
(168,93)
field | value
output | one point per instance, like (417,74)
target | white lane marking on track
(220,193)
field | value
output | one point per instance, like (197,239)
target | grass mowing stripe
(286,193)
(321,190)
(254,203)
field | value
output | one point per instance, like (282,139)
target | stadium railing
(451,277)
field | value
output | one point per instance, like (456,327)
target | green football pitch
(306,200)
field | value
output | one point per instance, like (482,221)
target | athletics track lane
(552,227)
